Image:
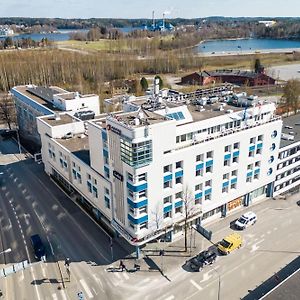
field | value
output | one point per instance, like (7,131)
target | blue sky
(143,9)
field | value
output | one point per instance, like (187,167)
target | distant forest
(211,27)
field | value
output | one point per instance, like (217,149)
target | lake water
(61,35)
(244,45)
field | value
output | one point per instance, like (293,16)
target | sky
(143,9)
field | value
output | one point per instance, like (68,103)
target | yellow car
(230,243)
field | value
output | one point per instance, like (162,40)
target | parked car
(230,243)
(204,258)
(7,134)
(38,247)
(247,219)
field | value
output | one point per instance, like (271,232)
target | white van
(247,219)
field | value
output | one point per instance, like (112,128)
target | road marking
(146,280)
(170,298)
(255,246)
(118,275)
(126,276)
(43,272)
(196,285)
(86,288)
(54,296)
(21,278)
(98,281)
(206,276)
(63,294)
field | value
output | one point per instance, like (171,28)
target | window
(129,176)
(142,193)
(168,199)
(178,180)
(251,153)
(226,176)
(144,225)
(209,154)
(168,184)
(273,146)
(199,172)
(260,138)
(227,148)
(178,164)
(274,134)
(177,139)
(89,176)
(178,195)
(225,189)
(209,169)
(142,177)
(130,193)
(235,159)
(252,140)
(208,197)
(257,164)
(95,192)
(198,187)
(106,160)
(107,202)
(167,214)
(167,168)
(136,154)
(208,183)
(259,151)
(270,171)
(236,145)
(131,209)
(89,185)
(256,176)
(200,157)
(226,162)
(143,210)
(178,210)
(132,225)
(250,167)
(233,186)
(234,173)
(249,179)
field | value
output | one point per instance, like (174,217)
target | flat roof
(291,127)
(24,90)
(78,145)
(60,120)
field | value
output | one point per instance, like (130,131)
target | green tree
(144,84)
(161,83)
(291,95)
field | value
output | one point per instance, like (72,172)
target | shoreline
(250,52)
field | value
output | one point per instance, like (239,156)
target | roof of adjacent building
(78,145)
(47,92)
(60,119)
(290,130)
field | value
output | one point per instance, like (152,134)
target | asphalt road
(30,203)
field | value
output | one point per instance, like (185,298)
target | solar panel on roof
(176,115)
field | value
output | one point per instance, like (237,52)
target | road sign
(206,233)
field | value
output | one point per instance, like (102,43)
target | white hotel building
(137,168)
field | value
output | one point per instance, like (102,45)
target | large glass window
(136,154)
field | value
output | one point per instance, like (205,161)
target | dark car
(298,202)
(38,247)
(7,134)
(204,258)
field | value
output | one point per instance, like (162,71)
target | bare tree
(291,95)
(7,110)
(157,214)
(189,210)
